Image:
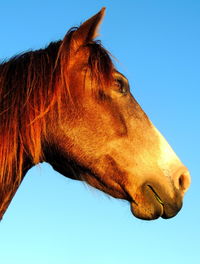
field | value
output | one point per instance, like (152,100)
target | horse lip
(156,195)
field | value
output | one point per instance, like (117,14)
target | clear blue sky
(54,220)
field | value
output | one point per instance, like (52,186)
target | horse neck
(8,191)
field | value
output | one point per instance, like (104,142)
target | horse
(67,105)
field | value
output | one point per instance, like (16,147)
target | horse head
(102,135)
(68,105)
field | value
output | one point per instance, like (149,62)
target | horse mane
(30,85)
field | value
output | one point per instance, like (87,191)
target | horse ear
(88,30)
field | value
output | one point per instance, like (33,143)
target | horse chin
(151,212)
(148,205)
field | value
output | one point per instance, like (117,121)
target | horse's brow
(122,76)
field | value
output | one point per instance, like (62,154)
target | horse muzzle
(154,200)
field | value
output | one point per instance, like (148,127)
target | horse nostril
(183,179)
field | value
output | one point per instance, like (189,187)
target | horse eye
(121,86)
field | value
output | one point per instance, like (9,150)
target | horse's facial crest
(111,143)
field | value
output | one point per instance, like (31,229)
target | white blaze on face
(168,161)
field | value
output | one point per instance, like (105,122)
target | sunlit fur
(67,105)
(30,84)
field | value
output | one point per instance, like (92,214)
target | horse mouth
(156,195)
(153,206)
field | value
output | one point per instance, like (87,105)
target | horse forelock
(101,66)
(96,58)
